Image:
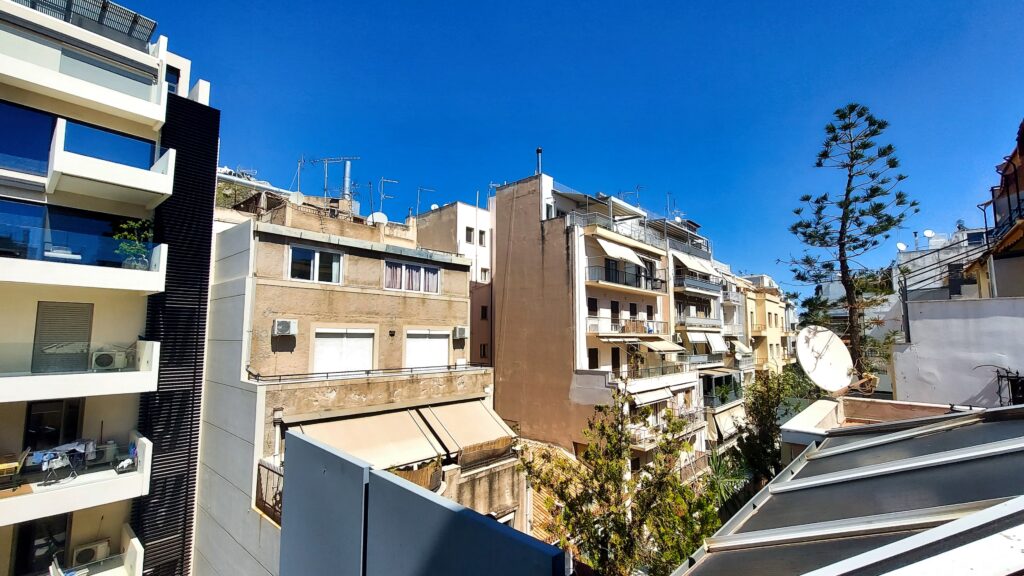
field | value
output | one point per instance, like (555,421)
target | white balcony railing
(80,173)
(700,322)
(608,325)
(104,370)
(732,329)
(84,485)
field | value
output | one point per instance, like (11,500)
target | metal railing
(629,229)
(745,361)
(651,371)
(758,327)
(696,246)
(730,329)
(722,396)
(698,360)
(690,281)
(642,279)
(733,297)
(607,325)
(693,467)
(105,18)
(319,376)
(700,322)
(647,433)
(270,490)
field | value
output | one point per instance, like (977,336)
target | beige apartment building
(582,306)
(771,326)
(353,334)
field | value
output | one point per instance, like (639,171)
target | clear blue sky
(721,105)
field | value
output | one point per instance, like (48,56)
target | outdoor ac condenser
(109,360)
(460,333)
(92,552)
(284,327)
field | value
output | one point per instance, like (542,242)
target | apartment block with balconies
(582,296)
(771,324)
(99,231)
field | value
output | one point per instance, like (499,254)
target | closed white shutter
(343,351)
(426,348)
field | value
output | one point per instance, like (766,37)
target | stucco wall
(949,338)
(437,229)
(534,315)
(496,489)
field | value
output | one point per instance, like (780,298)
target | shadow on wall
(340,517)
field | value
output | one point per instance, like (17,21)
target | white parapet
(50,273)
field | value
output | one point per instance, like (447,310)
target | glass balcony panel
(110,146)
(25,139)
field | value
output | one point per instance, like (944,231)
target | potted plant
(135,236)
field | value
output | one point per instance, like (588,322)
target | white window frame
(487,272)
(423,276)
(471,237)
(316,264)
(508,519)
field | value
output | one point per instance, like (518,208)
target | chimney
(347,187)
(539,152)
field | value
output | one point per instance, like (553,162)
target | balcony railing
(270,490)
(724,395)
(647,433)
(732,329)
(604,325)
(696,246)
(689,281)
(652,371)
(700,322)
(693,466)
(755,328)
(68,247)
(699,360)
(349,374)
(643,279)
(746,361)
(733,297)
(630,229)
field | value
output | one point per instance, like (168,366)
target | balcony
(695,246)
(607,325)
(78,485)
(100,370)
(622,279)
(630,229)
(270,490)
(46,256)
(733,298)
(700,322)
(724,395)
(745,362)
(758,330)
(702,360)
(690,282)
(128,562)
(646,435)
(101,164)
(693,465)
(637,375)
(732,329)
(131,87)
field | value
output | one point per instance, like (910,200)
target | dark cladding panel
(177,319)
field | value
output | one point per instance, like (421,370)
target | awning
(741,347)
(697,337)
(618,339)
(383,440)
(465,424)
(718,372)
(619,252)
(726,424)
(661,345)
(718,344)
(696,264)
(644,398)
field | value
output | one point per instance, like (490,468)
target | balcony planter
(135,235)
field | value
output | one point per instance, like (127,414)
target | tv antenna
(326,162)
(418,190)
(384,196)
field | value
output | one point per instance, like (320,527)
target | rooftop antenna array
(346,189)
(420,189)
(384,196)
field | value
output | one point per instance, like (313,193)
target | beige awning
(742,348)
(697,337)
(465,424)
(696,264)
(644,398)
(718,344)
(619,339)
(661,345)
(383,440)
(619,252)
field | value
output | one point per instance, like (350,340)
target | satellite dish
(824,358)
(679,220)
(434,206)
(929,233)
(901,246)
(377,218)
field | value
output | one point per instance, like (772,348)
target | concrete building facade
(107,168)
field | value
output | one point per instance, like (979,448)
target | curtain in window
(412,277)
(393,276)
(430,279)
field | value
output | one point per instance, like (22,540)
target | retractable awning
(619,339)
(696,264)
(383,440)
(697,337)
(619,252)
(661,345)
(644,398)
(742,348)
(466,424)
(717,343)
(717,372)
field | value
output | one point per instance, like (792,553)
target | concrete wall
(342,509)
(949,338)
(497,489)
(534,316)
(480,329)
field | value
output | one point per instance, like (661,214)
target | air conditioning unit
(91,552)
(283,327)
(109,360)
(460,333)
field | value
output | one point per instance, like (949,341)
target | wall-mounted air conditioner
(109,360)
(92,552)
(285,327)
(460,333)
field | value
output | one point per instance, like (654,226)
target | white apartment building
(103,306)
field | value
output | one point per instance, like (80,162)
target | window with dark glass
(591,306)
(650,312)
(592,359)
(172,76)
(315,265)
(632,310)
(616,360)
(302,263)
(483,312)
(469,235)
(483,350)
(25,139)
(615,309)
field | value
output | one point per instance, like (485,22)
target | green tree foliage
(622,521)
(769,400)
(840,227)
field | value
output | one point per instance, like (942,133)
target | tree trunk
(846,277)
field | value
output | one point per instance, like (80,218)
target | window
(62,337)
(411,277)
(425,348)
(485,274)
(483,350)
(172,76)
(650,312)
(314,265)
(632,310)
(469,235)
(592,359)
(26,139)
(52,423)
(342,350)
(615,309)
(483,312)
(508,519)
(616,361)
(591,306)
(483,238)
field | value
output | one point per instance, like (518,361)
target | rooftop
(105,18)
